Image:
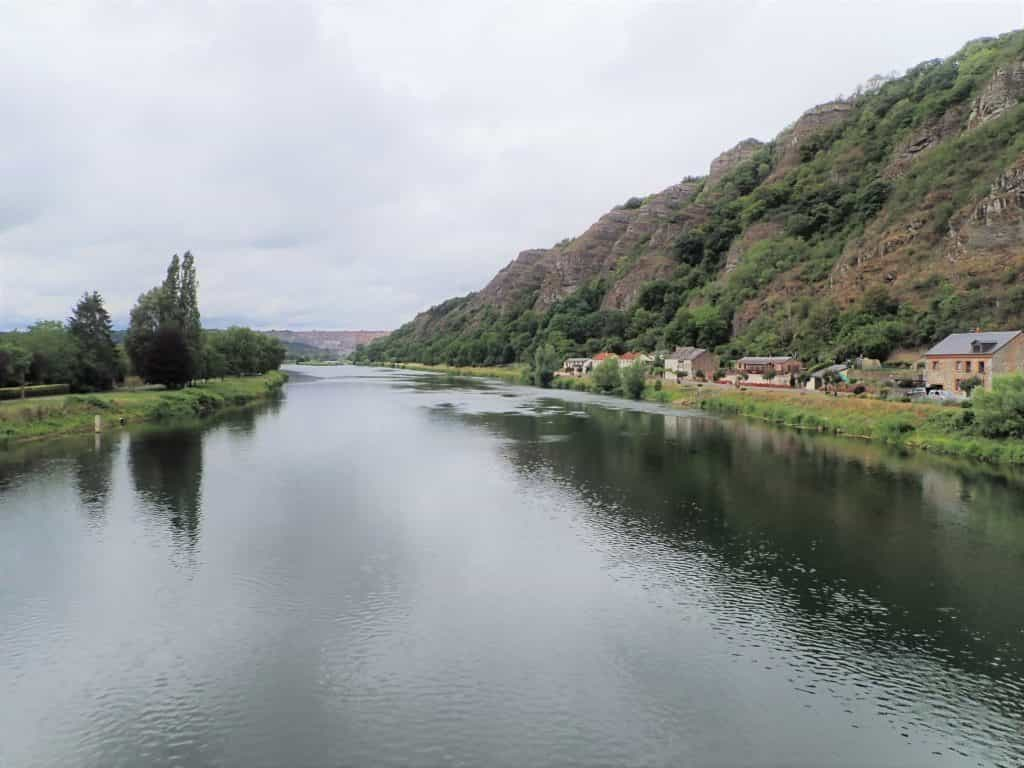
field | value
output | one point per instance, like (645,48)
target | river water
(389,568)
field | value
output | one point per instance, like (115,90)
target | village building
(577,366)
(760,366)
(687,362)
(980,355)
(632,358)
(600,357)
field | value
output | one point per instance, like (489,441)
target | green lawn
(66,414)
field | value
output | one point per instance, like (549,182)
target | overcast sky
(347,164)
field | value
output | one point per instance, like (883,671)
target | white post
(97,424)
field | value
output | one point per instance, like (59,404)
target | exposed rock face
(630,246)
(811,122)
(997,222)
(928,136)
(731,158)
(1003,91)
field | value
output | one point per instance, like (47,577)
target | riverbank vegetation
(165,344)
(62,415)
(989,427)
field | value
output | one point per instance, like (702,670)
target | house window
(967,366)
(957,384)
(935,365)
(959,367)
(981,366)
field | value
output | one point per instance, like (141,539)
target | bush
(41,390)
(1000,413)
(606,376)
(633,381)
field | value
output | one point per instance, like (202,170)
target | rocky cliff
(913,187)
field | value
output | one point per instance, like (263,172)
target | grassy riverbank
(935,428)
(43,417)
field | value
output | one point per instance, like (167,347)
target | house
(760,366)
(632,358)
(819,379)
(982,355)
(577,366)
(686,362)
(600,357)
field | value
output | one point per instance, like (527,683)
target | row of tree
(165,343)
(80,352)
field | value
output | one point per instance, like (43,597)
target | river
(389,568)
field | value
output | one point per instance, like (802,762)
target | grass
(38,418)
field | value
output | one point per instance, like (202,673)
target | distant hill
(315,343)
(878,221)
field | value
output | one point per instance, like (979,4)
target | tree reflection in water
(91,471)
(167,470)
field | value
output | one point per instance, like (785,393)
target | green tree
(188,306)
(168,359)
(606,376)
(144,322)
(52,352)
(1000,412)
(969,385)
(545,363)
(633,381)
(14,365)
(96,365)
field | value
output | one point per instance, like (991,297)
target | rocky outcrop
(731,158)
(997,222)
(812,121)
(927,137)
(1003,91)
(629,246)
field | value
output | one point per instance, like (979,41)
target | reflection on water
(92,470)
(391,568)
(863,555)
(167,470)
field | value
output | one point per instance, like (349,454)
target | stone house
(981,355)
(686,362)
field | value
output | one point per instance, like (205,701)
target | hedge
(38,390)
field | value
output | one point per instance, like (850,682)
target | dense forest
(880,222)
(165,343)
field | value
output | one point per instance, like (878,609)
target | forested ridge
(880,221)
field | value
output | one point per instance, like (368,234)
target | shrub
(1000,412)
(606,376)
(633,381)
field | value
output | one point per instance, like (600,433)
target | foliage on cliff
(882,221)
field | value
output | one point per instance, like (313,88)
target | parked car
(941,394)
(917,392)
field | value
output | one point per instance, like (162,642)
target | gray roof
(686,353)
(837,368)
(964,343)
(764,360)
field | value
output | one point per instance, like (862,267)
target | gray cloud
(348,164)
